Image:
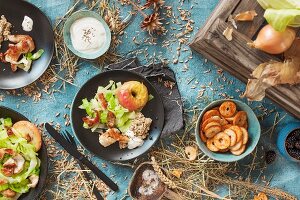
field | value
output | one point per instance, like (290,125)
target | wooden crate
(236,56)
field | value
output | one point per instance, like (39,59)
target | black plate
(42,34)
(153,109)
(33,193)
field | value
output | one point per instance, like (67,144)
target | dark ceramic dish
(153,109)
(33,193)
(42,35)
(281,140)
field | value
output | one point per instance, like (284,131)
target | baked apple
(30,132)
(132,95)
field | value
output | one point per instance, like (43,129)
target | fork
(71,140)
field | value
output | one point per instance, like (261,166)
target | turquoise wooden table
(197,79)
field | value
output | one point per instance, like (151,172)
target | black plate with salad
(117,115)
(26,43)
(23,157)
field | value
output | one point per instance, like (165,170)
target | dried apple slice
(238,132)
(226,126)
(245,135)
(211,146)
(227,109)
(240,118)
(222,140)
(232,136)
(239,151)
(30,132)
(210,113)
(211,124)
(212,131)
(202,136)
(237,146)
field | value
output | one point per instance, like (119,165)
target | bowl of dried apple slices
(227,130)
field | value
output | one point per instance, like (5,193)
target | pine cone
(152,23)
(156,3)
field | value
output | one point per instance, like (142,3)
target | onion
(271,41)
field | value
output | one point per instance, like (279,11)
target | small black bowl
(154,109)
(35,192)
(283,135)
(42,35)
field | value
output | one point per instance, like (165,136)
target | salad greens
(280,4)
(26,61)
(94,108)
(280,19)
(17,182)
(281,13)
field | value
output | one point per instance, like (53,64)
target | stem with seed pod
(138,8)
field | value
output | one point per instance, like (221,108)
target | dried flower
(152,23)
(246,16)
(261,196)
(177,172)
(156,4)
(228,33)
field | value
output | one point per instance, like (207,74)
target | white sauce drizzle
(133,140)
(27,24)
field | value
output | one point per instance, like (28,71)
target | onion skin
(273,42)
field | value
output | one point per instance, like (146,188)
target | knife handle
(99,173)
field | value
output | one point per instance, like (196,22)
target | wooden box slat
(236,56)
(249,28)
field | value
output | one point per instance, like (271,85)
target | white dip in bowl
(87,35)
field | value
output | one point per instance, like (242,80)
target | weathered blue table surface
(286,175)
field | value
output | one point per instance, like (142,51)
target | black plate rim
(51,52)
(72,110)
(46,158)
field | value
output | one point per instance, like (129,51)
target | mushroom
(20,161)
(8,193)
(34,179)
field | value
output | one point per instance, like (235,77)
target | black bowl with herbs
(288,142)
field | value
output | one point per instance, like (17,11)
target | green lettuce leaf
(3,187)
(20,145)
(125,127)
(280,4)
(150,97)
(7,122)
(280,19)
(103,117)
(87,106)
(21,187)
(37,55)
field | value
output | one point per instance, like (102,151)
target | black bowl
(42,34)
(154,109)
(33,193)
